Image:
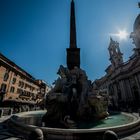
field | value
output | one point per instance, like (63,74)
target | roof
(16,68)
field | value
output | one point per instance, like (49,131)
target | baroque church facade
(122,79)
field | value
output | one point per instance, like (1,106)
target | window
(6,76)
(15,74)
(19,91)
(12,89)
(22,78)
(14,81)
(22,84)
(26,86)
(19,84)
(3,88)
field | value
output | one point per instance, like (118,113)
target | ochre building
(18,89)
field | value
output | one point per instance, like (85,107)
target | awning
(20,101)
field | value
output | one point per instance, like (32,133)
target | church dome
(135,35)
(137,23)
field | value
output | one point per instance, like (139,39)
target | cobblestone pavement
(135,136)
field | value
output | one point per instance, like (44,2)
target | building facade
(122,79)
(18,89)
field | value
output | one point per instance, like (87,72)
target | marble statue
(72,100)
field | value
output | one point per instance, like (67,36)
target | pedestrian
(1,113)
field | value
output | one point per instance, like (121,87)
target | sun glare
(122,34)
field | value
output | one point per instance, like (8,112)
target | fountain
(73,100)
(75,110)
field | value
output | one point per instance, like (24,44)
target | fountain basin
(24,123)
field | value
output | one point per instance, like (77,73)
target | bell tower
(115,53)
(73,53)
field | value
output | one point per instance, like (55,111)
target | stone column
(138,76)
(137,83)
(115,95)
(128,90)
(122,88)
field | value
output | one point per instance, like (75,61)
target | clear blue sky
(35,33)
